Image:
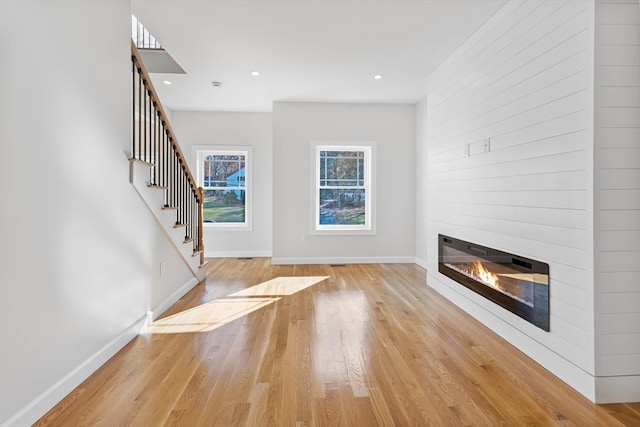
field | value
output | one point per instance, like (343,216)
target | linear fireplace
(521,285)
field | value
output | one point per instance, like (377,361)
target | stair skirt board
(154,199)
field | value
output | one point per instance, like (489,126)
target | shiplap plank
(572,280)
(619,220)
(564,201)
(620,323)
(566,293)
(620,55)
(568,335)
(620,343)
(618,14)
(572,314)
(619,302)
(534,165)
(620,96)
(619,199)
(620,261)
(627,240)
(619,281)
(619,179)
(618,75)
(620,35)
(556,181)
(624,158)
(620,116)
(619,137)
(621,364)
(575,219)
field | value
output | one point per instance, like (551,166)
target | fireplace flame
(485,275)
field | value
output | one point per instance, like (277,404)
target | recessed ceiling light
(255,73)
(377,76)
(167,82)
(216,84)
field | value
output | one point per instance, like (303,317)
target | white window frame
(199,151)
(369,149)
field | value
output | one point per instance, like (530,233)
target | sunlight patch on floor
(280,286)
(209,316)
(212,315)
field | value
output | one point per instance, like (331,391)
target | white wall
(232,129)
(617,195)
(522,80)
(392,127)
(79,253)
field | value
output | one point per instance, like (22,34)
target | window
(343,188)
(224,175)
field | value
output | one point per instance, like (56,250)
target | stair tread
(180,225)
(160,187)
(142,162)
(188,240)
(168,208)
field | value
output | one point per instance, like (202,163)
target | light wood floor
(369,345)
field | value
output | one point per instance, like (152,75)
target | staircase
(159,171)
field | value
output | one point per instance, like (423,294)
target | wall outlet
(467,150)
(487,145)
(162,267)
(305,238)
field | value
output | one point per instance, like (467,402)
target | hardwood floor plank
(369,345)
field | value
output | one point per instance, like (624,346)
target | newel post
(200,225)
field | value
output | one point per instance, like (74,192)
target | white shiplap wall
(525,80)
(617,190)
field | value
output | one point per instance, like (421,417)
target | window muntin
(224,177)
(343,189)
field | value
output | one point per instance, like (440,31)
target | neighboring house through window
(224,174)
(343,190)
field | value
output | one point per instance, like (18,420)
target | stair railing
(155,143)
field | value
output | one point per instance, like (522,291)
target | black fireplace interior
(520,285)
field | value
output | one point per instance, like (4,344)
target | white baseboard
(421,262)
(344,260)
(237,254)
(53,395)
(155,312)
(622,389)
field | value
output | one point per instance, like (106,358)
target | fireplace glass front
(519,284)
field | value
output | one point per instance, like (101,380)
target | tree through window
(223,174)
(343,188)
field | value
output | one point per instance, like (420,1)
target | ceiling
(305,50)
